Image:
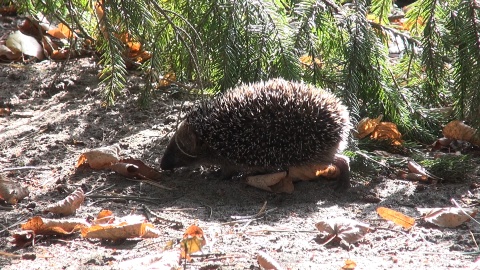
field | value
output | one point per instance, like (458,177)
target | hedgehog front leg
(343,164)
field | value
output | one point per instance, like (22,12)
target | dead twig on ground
(25,168)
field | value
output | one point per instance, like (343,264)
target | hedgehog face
(182,150)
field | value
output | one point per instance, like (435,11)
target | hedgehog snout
(181,150)
(169,157)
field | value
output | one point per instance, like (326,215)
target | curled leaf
(46,226)
(367,126)
(193,241)
(127,227)
(387,131)
(100,158)
(69,205)
(137,168)
(349,265)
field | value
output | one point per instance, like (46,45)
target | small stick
(24,168)
(150,212)
(133,198)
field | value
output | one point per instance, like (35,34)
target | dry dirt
(54,121)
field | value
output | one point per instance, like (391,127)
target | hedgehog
(264,127)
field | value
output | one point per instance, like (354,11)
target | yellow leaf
(396,217)
(367,126)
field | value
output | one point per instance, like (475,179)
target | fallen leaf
(441,143)
(168,79)
(416,168)
(5,111)
(104,217)
(23,239)
(460,131)
(349,265)
(396,217)
(267,262)
(387,131)
(100,158)
(193,241)
(447,217)
(265,181)
(414,177)
(367,126)
(61,32)
(140,170)
(69,205)
(18,42)
(347,230)
(46,226)
(10,191)
(132,226)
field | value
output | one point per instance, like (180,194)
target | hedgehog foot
(343,164)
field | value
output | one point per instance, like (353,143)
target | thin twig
(150,212)
(133,198)
(24,168)
(13,225)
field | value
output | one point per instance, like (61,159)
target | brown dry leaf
(415,177)
(447,217)
(100,158)
(396,217)
(60,54)
(69,205)
(387,131)
(136,168)
(23,239)
(5,111)
(168,79)
(441,143)
(347,230)
(128,227)
(104,217)
(11,191)
(267,262)
(349,265)
(460,131)
(419,173)
(193,241)
(45,226)
(367,126)
(61,32)
(265,181)
(18,42)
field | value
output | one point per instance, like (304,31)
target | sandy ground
(54,122)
